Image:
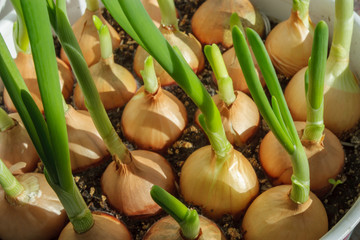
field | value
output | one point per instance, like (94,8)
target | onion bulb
(105,227)
(273,215)
(341,100)
(189,47)
(85,143)
(127,186)
(153,9)
(289,44)
(240,120)
(211,21)
(235,72)
(326,160)
(87,36)
(16,146)
(168,228)
(153,121)
(218,190)
(115,84)
(36,214)
(25,64)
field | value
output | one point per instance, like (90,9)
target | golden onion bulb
(25,64)
(211,21)
(128,186)
(289,45)
(16,146)
(168,228)
(115,84)
(240,120)
(189,47)
(273,215)
(153,9)
(85,143)
(88,37)
(326,160)
(153,121)
(105,227)
(35,214)
(218,190)
(341,100)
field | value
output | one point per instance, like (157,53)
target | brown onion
(105,227)
(218,190)
(167,228)
(153,9)
(85,143)
(153,121)
(273,215)
(127,186)
(87,36)
(289,45)
(115,84)
(235,72)
(16,146)
(35,214)
(188,46)
(326,160)
(25,64)
(240,120)
(341,100)
(211,21)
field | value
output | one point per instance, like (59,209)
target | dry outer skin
(105,228)
(167,228)
(42,217)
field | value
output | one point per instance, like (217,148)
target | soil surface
(337,203)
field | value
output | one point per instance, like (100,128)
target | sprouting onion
(15,143)
(183,223)
(131,173)
(115,84)
(341,90)
(210,22)
(29,207)
(217,177)
(188,45)
(323,149)
(289,43)
(50,137)
(87,36)
(25,64)
(281,212)
(155,113)
(238,111)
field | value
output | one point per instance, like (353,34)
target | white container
(277,10)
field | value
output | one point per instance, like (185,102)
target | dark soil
(337,203)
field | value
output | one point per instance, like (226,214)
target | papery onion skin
(86,146)
(341,105)
(42,218)
(153,9)
(105,227)
(88,37)
(127,187)
(241,119)
(326,160)
(188,45)
(289,45)
(153,121)
(211,21)
(228,191)
(16,146)
(115,84)
(273,215)
(25,64)
(235,72)
(167,228)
